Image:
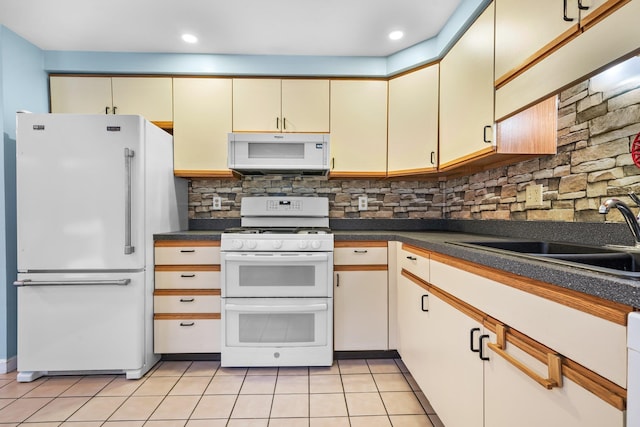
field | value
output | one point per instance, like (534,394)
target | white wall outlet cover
(217,203)
(363,203)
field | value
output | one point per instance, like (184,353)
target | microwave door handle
(276,308)
(255,258)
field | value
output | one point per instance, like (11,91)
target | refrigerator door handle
(29,282)
(128,155)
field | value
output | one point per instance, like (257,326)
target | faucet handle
(635,198)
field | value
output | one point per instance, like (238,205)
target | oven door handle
(276,258)
(275,308)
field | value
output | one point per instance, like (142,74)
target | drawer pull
(187,275)
(554,363)
(187,299)
(356,251)
(185,251)
(412,258)
(187,323)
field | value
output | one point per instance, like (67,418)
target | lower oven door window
(272,274)
(273,322)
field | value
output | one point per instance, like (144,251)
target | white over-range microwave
(279,153)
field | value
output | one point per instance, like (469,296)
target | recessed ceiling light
(189,38)
(396,35)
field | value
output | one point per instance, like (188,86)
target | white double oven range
(277,284)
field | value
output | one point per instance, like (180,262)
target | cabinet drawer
(183,255)
(186,335)
(360,255)
(187,279)
(186,303)
(414,260)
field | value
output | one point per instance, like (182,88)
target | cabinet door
(466,93)
(358,127)
(454,371)
(605,42)
(150,97)
(80,95)
(305,106)
(256,105)
(360,310)
(413,121)
(526,30)
(514,399)
(202,120)
(413,335)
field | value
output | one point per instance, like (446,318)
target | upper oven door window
(272,274)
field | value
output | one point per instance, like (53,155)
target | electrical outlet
(533,195)
(362,203)
(217,203)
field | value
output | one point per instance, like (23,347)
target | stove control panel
(282,243)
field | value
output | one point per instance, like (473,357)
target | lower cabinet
(360,296)
(478,370)
(187,297)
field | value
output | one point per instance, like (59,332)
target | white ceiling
(270,27)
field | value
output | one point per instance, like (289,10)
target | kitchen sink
(616,261)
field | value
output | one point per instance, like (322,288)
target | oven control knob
(251,244)
(315,244)
(277,244)
(302,244)
(236,244)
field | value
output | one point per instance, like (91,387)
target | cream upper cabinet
(358,128)
(277,105)
(466,94)
(150,97)
(602,43)
(413,122)
(202,120)
(528,29)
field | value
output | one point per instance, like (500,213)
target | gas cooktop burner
(278,230)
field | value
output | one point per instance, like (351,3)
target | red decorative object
(635,150)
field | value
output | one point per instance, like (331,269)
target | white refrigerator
(91,192)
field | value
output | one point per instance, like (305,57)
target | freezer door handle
(128,155)
(29,282)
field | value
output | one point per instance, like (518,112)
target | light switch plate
(533,195)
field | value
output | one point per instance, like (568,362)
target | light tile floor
(371,393)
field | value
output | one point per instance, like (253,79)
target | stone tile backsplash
(595,131)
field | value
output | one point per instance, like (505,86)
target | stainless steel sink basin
(615,261)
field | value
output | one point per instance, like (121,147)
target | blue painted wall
(23,86)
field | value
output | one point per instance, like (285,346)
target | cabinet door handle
(337,280)
(188,275)
(412,258)
(277,122)
(333,163)
(284,123)
(422,303)
(187,299)
(106,110)
(581,6)
(433,157)
(187,323)
(565,17)
(363,251)
(114,109)
(471,333)
(481,349)
(187,251)
(484,134)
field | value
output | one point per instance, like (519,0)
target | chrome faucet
(627,214)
